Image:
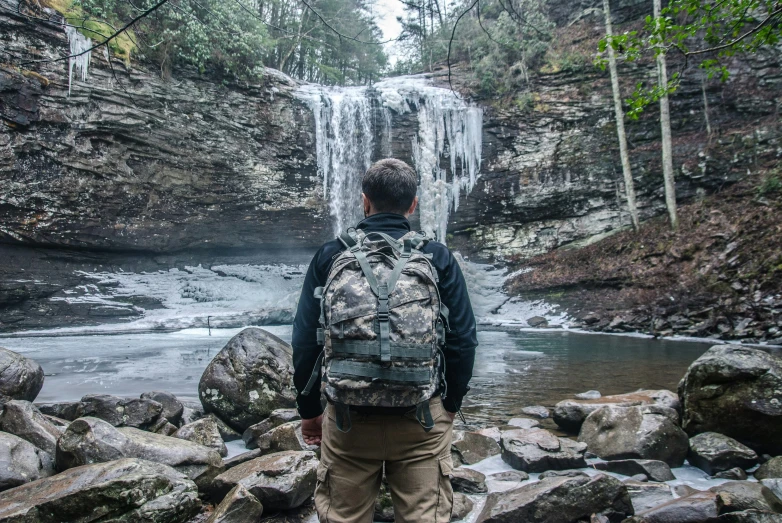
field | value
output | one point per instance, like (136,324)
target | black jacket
(461,341)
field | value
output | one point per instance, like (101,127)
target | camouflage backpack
(382,326)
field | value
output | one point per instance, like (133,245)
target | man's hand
(451,415)
(312,430)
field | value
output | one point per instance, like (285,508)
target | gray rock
(589,395)
(646,496)
(66,410)
(91,440)
(462,506)
(123,491)
(524,423)
(570,414)
(472,447)
(694,508)
(275,419)
(773,484)
(747,495)
(248,379)
(238,506)
(562,474)
(21,462)
(204,432)
(538,450)
(285,437)
(280,481)
(121,412)
(22,419)
(537,321)
(163,426)
(172,407)
(468,481)
(244,457)
(226,432)
(649,432)
(641,478)
(20,378)
(652,469)
(748,516)
(713,453)
(509,475)
(191,412)
(734,390)
(735,473)
(559,500)
(537,411)
(770,469)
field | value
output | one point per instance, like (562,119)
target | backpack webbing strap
(346,239)
(366,268)
(375,371)
(399,350)
(394,244)
(424,416)
(399,266)
(384,322)
(314,375)
(342,417)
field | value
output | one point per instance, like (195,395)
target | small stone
(641,478)
(537,450)
(172,407)
(770,469)
(652,469)
(536,411)
(472,447)
(67,410)
(524,423)
(735,473)
(509,475)
(562,474)
(714,453)
(647,495)
(589,395)
(285,437)
(537,321)
(204,432)
(468,481)
(275,419)
(238,506)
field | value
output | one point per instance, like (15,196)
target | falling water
(345,127)
(79,45)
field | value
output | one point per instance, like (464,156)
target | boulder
(226,432)
(248,379)
(172,407)
(204,432)
(238,506)
(510,475)
(20,378)
(192,412)
(559,500)
(472,447)
(770,469)
(163,426)
(536,411)
(468,481)
(713,453)
(21,462)
(275,419)
(537,321)
(538,450)
(285,437)
(646,496)
(21,418)
(649,432)
(736,473)
(66,410)
(462,506)
(230,463)
(524,423)
(735,390)
(653,469)
(747,495)
(697,507)
(280,481)
(92,440)
(121,412)
(123,491)
(570,414)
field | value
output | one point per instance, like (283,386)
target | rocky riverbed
(708,452)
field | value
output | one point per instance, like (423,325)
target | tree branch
(739,39)
(450,41)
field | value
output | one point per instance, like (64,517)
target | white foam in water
(230,295)
(78,45)
(344,132)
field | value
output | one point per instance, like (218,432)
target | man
(414,455)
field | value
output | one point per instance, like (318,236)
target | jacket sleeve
(305,341)
(461,340)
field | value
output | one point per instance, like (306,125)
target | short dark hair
(390,185)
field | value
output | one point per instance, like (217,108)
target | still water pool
(513,368)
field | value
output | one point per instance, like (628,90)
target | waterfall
(345,130)
(78,45)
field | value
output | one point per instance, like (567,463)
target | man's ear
(366,204)
(412,208)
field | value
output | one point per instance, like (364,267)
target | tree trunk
(706,107)
(665,123)
(620,122)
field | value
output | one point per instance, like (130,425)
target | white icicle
(79,45)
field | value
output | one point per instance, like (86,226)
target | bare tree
(665,123)
(620,121)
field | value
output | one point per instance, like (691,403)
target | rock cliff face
(129,161)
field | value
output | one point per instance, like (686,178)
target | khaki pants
(417,467)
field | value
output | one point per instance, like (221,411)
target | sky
(385,12)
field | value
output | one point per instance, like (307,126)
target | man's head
(390,185)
